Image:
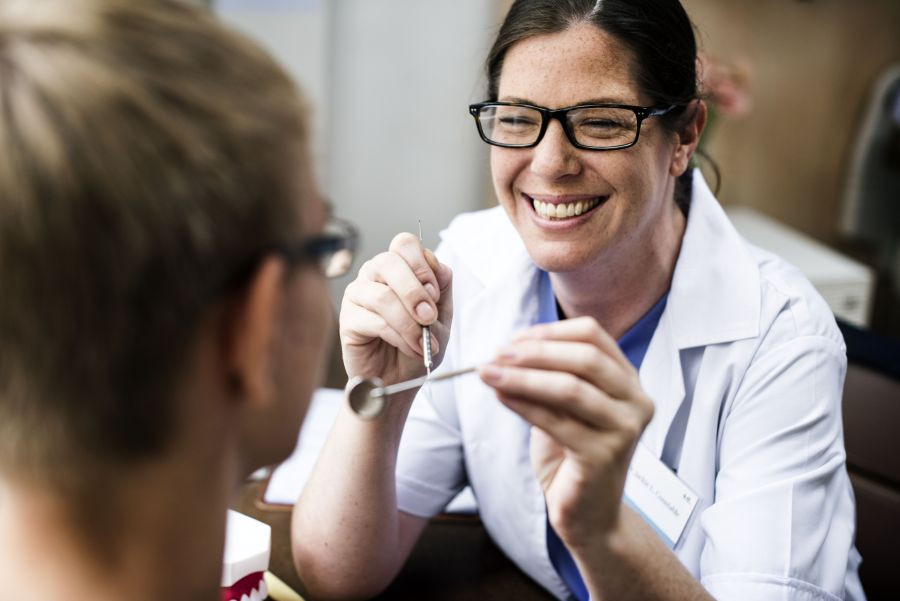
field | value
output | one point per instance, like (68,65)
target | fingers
(406,272)
(417,260)
(372,310)
(395,294)
(445,283)
(582,359)
(574,414)
(564,393)
(565,431)
(579,329)
(570,371)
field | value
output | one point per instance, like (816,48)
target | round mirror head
(360,398)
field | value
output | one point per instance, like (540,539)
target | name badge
(659,496)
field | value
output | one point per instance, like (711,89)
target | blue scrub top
(634,344)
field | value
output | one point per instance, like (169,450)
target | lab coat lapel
(662,380)
(715,292)
(516,293)
(714,298)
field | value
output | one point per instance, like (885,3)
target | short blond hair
(148,154)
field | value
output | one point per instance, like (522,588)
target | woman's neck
(620,287)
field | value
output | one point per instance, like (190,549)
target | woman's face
(631,188)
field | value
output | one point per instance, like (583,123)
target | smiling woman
(631,220)
(632,321)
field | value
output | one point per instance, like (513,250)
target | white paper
(247,547)
(289,478)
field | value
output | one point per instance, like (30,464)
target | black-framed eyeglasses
(587,126)
(332,249)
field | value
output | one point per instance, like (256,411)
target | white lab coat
(745,369)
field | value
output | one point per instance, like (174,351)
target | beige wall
(812,65)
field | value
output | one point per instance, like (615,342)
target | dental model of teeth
(246,558)
(564,210)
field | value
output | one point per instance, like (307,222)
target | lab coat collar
(715,293)
(714,298)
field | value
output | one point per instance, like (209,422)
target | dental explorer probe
(367,397)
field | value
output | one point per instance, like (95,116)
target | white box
(845,284)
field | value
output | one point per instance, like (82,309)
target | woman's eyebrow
(515,99)
(598,100)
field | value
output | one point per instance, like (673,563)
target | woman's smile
(564,208)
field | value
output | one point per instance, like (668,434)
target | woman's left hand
(571,381)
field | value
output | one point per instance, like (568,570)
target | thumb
(444,276)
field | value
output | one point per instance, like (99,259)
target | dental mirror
(368,397)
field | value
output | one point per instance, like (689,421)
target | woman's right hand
(384,308)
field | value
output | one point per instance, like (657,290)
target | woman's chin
(558,256)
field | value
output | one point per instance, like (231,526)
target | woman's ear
(688,137)
(251,327)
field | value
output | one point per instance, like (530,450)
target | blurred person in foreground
(633,323)
(164,306)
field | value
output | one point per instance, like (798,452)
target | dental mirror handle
(367,397)
(409,384)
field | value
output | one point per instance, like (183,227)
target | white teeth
(563,210)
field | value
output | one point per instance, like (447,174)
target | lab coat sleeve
(430,468)
(781,525)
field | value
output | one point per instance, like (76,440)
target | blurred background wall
(808,71)
(810,68)
(390,81)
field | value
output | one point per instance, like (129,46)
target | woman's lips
(562,208)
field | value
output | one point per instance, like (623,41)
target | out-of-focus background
(390,81)
(815,141)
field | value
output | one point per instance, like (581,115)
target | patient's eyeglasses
(587,126)
(332,249)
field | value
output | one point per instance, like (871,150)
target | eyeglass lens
(336,264)
(336,253)
(595,127)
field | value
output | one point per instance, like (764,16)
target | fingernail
(491,373)
(424,311)
(432,291)
(507,354)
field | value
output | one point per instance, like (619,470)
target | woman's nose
(554,156)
